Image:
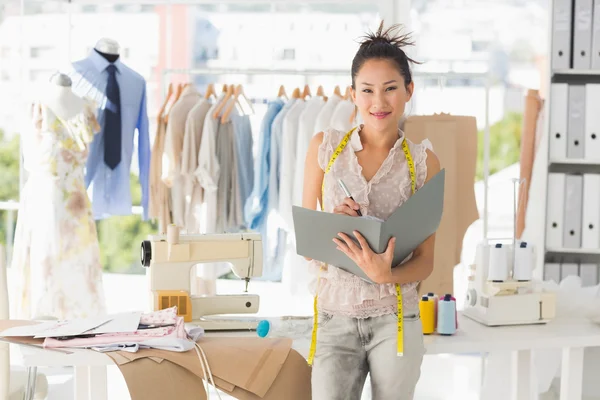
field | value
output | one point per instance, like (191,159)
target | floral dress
(56,255)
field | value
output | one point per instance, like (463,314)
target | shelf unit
(574,61)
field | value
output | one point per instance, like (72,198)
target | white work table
(569,335)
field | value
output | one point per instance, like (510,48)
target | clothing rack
(441,76)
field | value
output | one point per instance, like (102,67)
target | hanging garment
(159,204)
(208,169)
(189,162)
(256,205)
(306,130)
(323,121)
(56,254)
(174,148)
(288,162)
(276,237)
(341,117)
(245,160)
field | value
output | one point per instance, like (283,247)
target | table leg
(521,376)
(31,382)
(98,383)
(571,373)
(82,382)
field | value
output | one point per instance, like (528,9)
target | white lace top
(339,291)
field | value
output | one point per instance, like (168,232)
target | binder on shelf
(552,272)
(555,210)
(568,269)
(582,34)
(596,35)
(592,122)
(559,112)
(561,34)
(588,274)
(590,235)
(576,123)
(573,203)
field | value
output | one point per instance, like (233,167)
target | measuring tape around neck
(413,186)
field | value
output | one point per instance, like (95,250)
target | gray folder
(552,272)
(413,222)
(582,34)
(588,274)
(561,34)
(576,132)
(596,35)
(568,269)
(573,211)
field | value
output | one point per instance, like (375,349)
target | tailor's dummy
(59,97)
(108,48)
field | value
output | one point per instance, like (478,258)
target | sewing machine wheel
(146,253)
(471,297)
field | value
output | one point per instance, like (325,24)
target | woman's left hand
(378,267)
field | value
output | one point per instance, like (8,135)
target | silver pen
(348,194)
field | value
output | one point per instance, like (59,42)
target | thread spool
(446,324)
(172,234)
(435,299)
(427,311)
(523,269)
(498,266)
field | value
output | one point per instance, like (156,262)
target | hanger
(347,94)
(296,93)
(177,95)
(282,92)
(228,89)
(320,91)
(337,91)
(237,93)
(232,103)
(161,110)
(306,93)
(247,100)
(210,91)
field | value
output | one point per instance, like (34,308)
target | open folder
(413,222)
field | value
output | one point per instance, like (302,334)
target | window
(89,8)
(288,54)
(45,52)
(40,75)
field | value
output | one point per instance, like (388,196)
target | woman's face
(380,94)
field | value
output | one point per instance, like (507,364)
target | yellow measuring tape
(413,180)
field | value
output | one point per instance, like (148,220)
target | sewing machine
(170,258)
(508,300)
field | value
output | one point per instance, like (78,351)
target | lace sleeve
(326,148)
(421,163)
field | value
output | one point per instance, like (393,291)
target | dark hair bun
(385,44)
(389,36)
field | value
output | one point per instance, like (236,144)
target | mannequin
(60,98)
(56,255)
(108,48)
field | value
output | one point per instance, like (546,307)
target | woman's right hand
(348,207)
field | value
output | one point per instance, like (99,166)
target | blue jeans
(350,348)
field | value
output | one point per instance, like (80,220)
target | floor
(455,378)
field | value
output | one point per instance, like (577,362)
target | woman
(357,322)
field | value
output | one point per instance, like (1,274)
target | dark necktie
(112,120)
